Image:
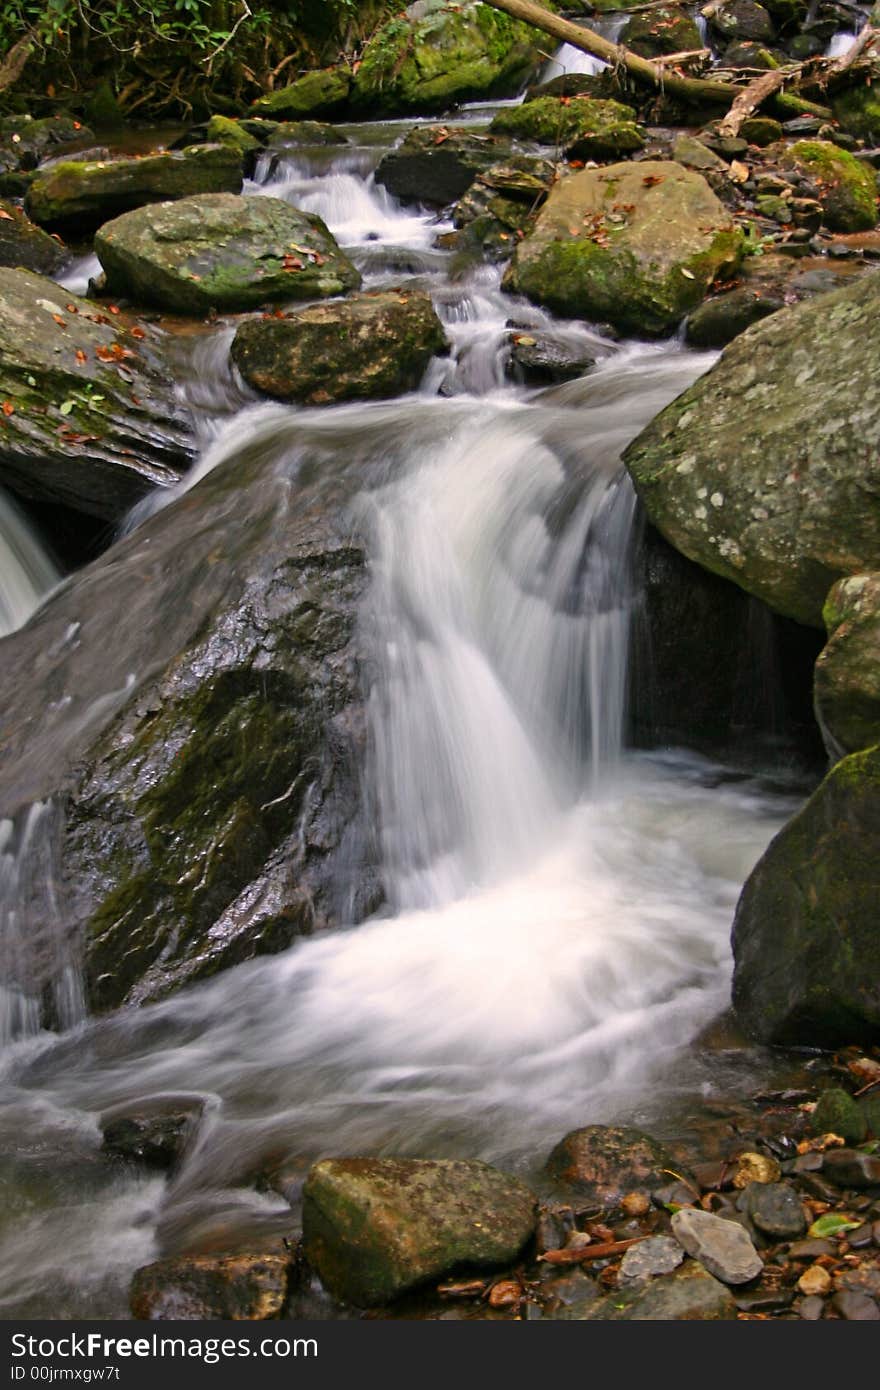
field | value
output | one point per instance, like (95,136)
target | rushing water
(27,571)
(559,909)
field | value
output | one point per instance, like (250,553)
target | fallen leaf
(67,407)
(688,274)
(504,1294)
(71,309)
(651,180)
(80,356)
(138,333)
(738,172)
(6,216)
(832,1224)
(60,320)
(8,408)
(113,309)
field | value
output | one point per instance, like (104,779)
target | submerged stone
(200,1288)
(604,1162)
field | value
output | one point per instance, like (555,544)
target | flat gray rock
(656,1255)
(722,1247)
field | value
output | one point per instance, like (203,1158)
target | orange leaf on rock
(6,216)
(80,356)
(60,320)
(8,408)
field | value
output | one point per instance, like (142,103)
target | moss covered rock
(719,320)
(805,942)
(661,31)
(437,164)
(316,94)
(636,245)
(857,109)
(222,252)
(90,418)
(837,1113)
(845,186)
(742,19)
(233,1288)
(375,1227)
(366,347)
(89,193)
(582,127)
(766,469)
(847,678)
(428,61)
(301,134)
(224,131)
(24,244)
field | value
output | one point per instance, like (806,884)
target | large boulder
(366,347)
(87,193)
(741,19)
(661,31)
(805,941)
(190,706)
(437,164)
(25,142)
(845,186)
(766,470)
(219,251)
(501,203)
(583,128)
(25,245)
(375,1227)
(438,55)
(635,245)
(90,418)
(316,94)
(847,677)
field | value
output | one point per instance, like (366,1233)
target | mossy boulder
(847,678)
(719,320)
(314,95)
(437,164)
(501,204)
(203,756)
(661,31)
(366,347)
(805,941)
(375,1227)
(845,186)
(222,252)
(88,193)
(837,1112)
(90,416)
(229,1288)
(301,134)
(635,245)
(421,62)
(222,130)
(766,470)
(581,127)
(742,19)
(857,110)
(25,245)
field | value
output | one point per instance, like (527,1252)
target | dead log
(749,99)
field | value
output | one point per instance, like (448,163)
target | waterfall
(26,571)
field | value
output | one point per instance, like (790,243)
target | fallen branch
(13,64)
(671,60)
(581,1253)
(698,90)
(863,40)
(749,99)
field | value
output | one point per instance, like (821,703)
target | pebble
(815,1280)
(722,1247)
(755,1168)
(635,1203)
(849,1168)
(656,1255)
(775,1210)
(811,1309)
(855,1307)
(860,1238)
(811,1249)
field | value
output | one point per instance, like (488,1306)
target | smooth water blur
(27,571)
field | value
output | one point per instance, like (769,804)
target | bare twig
(862,42)
(750,98)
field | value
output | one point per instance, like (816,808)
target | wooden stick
(589,1252)
(862,41)
(749,99)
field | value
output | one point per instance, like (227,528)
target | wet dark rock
(660,31)
(223,252)
(837,1112)
(811,1249)
(544,357)
(774,1210)
(656,1255)
(206,771)
(154,1131)
(437,164)
(375,1227)
(81,194)
(689,1294)
(200,1287)
(369,346)
(856,1307)
(25,245)
(604,1162)
(847,688)
(722,1247)
(25,143)
(804,938)
(583,128)
(861,1238)
(718,481)
(749,54)
(296,134)
(93,422)
(501,203)
(742,19)
(849,1168)
(723,317)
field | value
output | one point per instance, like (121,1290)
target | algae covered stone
(847,677)
(321,93)
(837,1112)
(366,347)
(805,941)
(636,245)
(582,127)
(222,252)
(432,57)
(437,164)
(604,1162)
(90,192)
(767,469)
(25,245)
(375,1227)
(235,1288)
(845,186)
(91,419)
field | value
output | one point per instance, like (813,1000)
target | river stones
(636,245)
(847,676)
(604,1162)
(766,470)
(436,164)
(90,418)
(501,203)
(774,1210)
(375,1227)
(805,943)
(231,1288)
(722,1247)
(688,1294)
(366,347)
(661,31)
(435,56)
(219,251)
(25,245)
(153,1131)
(582,128)
(850,1168)
(87,193)
(316,94)
(837,1113)
(656,1255)
(25,142)
(845,186)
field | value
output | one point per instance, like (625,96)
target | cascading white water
(27,572)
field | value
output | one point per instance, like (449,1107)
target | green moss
(583,126)
(837,1113)
(847,188)
(858,111)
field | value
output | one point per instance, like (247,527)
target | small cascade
(27,572)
